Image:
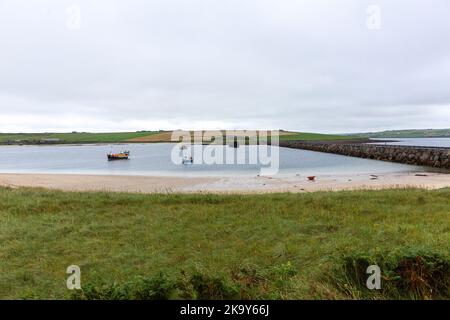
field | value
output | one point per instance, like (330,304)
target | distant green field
(426,133)
(314,137)
(275,246)
(141,136)
(77,137)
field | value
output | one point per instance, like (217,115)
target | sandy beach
(238,184)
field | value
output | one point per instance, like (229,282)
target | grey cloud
(300,65)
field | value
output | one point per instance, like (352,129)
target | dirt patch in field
(287,133)
(166,135)
(158,137)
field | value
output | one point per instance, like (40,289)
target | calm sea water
(155,159)
(424,142)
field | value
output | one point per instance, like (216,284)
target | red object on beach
(311,178)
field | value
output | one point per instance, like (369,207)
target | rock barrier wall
(422,156)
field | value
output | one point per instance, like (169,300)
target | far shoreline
(355,141)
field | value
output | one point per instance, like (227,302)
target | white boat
(187,160)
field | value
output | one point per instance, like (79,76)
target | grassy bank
(415,133)
(139,136)
(307,136)
(283,136)
(282,246)
(72,137)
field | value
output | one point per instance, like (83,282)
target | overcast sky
(320,66)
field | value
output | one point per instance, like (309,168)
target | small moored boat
(234,144)
(118,156)
(187,160)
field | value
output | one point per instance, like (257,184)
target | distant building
(50,140)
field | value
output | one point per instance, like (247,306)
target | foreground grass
(283,246)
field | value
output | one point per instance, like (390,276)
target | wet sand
(238,184)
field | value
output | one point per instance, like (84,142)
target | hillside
(165,136)
(138,136)
(413,133)
(71,137)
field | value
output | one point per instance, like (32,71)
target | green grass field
(140,136)
(418,133)
(280,246)
(76,137)
(314,137)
